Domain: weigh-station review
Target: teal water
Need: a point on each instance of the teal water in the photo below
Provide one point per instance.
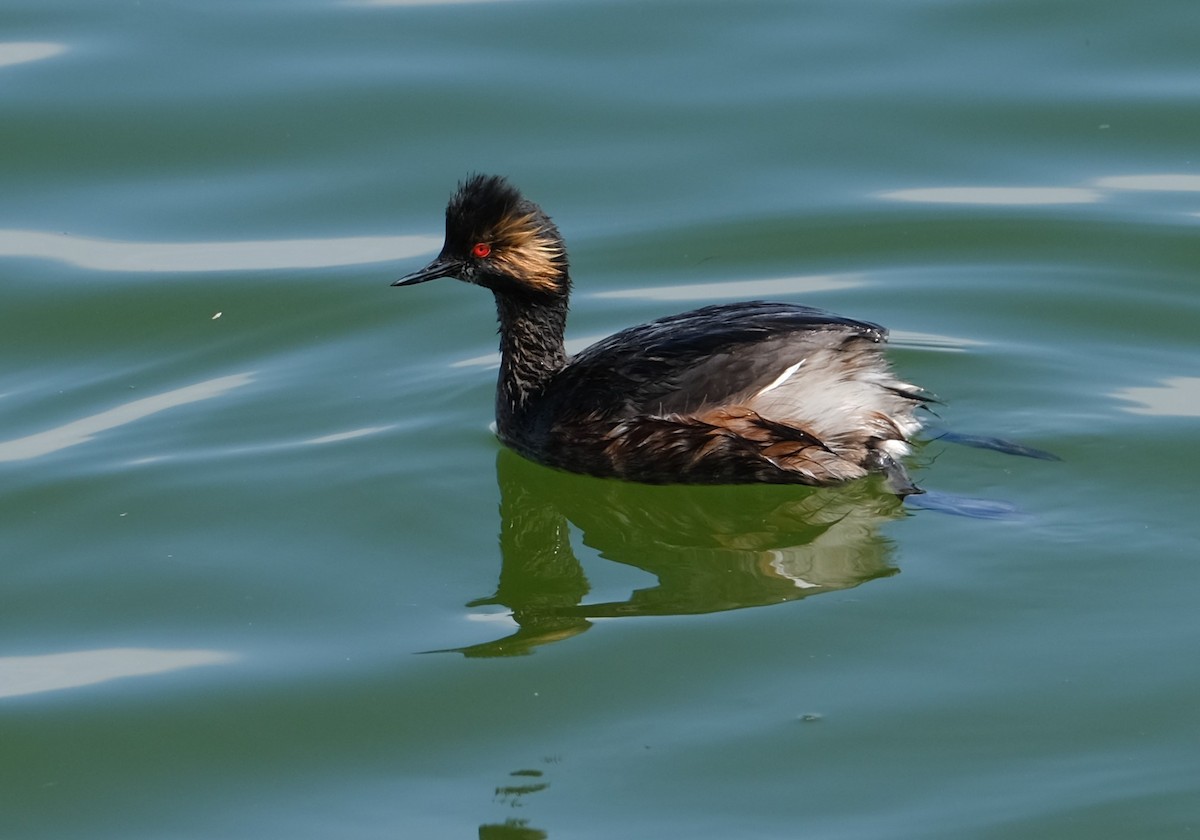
(266, 573)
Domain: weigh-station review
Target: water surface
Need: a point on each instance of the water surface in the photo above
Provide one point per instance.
(266, 572)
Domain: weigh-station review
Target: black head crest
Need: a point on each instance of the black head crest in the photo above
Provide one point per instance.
(513, 244)
(480, 203)
(497, 238)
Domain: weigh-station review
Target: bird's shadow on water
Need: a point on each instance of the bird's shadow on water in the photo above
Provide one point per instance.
(710, 548)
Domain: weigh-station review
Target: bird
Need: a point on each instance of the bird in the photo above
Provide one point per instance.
(733, 393)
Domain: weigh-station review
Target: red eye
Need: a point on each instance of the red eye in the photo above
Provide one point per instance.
(481, 249)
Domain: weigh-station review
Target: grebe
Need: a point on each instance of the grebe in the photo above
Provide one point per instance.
(727, 394)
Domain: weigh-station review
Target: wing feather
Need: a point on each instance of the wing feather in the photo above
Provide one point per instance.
(686, 362)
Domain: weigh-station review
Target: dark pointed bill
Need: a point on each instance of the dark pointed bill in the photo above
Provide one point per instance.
(438, 268)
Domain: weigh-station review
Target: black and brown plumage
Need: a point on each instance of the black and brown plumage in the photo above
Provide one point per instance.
(732, 393)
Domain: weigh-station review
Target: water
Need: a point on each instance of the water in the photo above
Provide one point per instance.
(267, 574)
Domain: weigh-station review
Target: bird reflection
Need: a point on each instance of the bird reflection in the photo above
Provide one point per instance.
(710, 548)
(511, 830)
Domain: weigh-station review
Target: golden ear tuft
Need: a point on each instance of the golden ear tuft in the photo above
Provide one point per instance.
(529, 252)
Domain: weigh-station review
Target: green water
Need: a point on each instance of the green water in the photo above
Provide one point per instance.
(265, 572)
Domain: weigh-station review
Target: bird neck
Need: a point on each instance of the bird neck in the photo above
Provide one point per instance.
(531, 351)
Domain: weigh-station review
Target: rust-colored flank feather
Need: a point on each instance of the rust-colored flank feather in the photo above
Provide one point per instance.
(732, 393)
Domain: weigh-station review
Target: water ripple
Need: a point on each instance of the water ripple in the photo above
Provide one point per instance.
(22, 52)
(22, 675)
(996, 196)
(740, 288)
(86, 428)
(113, 255)
(1178, 396)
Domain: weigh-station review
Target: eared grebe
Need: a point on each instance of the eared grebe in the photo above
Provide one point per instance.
(732, 393)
